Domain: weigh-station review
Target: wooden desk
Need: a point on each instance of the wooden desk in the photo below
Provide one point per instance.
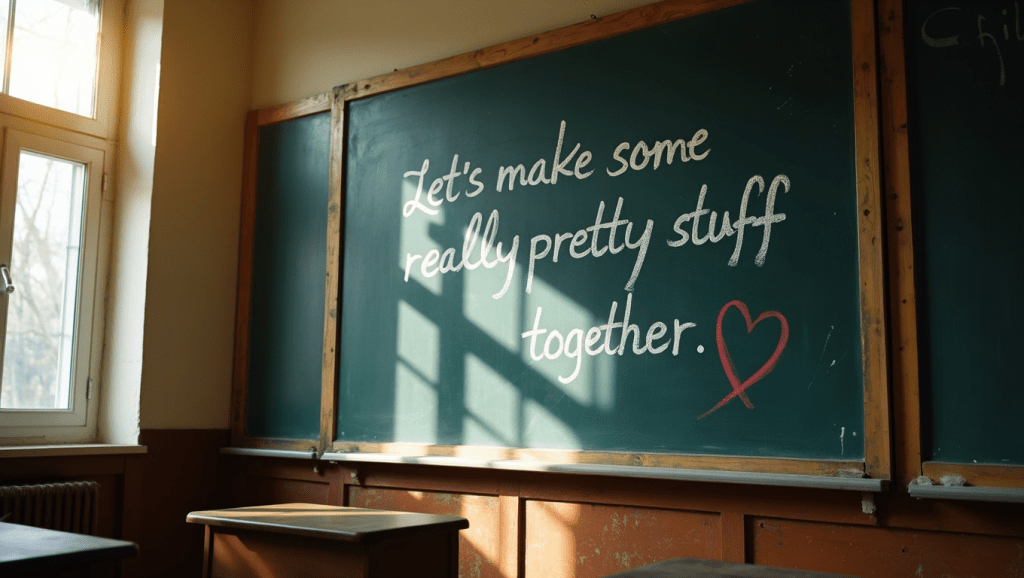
(313, 540)
(693, 568)
(30, 551)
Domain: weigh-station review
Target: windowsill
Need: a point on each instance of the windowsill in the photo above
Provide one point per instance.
(69, 450)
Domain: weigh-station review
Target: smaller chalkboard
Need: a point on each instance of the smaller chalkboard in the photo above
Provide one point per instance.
(286, 315)
(965, 62)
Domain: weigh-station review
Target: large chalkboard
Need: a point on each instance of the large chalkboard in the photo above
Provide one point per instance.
(502, 225)
(966, 103)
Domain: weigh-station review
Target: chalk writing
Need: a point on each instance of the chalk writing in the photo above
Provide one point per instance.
(541, 245)
(642, 154)
(937, 27)
(598, 339)
(607, 236)
(770, 217)
(537, 175)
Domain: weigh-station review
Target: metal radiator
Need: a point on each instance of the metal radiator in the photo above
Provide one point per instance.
(66, 506)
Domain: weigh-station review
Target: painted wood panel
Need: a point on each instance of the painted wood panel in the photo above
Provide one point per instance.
(881, 552)
(481, 546)
(583, 540)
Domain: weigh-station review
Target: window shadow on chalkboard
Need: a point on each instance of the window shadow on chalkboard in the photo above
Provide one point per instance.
(504, 401)
(465, 376)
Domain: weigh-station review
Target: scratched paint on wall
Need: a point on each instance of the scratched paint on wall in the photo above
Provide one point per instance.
(583, 540)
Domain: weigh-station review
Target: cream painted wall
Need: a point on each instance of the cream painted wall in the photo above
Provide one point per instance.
(306, 47)
(126, 286)
(190, 289)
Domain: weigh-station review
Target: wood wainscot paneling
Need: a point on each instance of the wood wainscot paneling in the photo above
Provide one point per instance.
(881, 552)
(274, 481)
(584, 540)
(178, 474)
(526, 524)
(491, 529)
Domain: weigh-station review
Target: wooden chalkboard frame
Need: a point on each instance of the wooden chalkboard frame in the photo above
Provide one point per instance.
(877, 460)
(247, 233)
(910, 462)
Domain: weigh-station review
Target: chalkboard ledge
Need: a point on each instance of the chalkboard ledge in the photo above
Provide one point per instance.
(687, 475)
(919, 489)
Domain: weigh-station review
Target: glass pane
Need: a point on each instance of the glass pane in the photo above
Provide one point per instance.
(5, 15)
(54, 54)
(44, 268)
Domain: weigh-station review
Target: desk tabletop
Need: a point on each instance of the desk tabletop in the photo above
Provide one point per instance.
(27, 547)
(328, 522)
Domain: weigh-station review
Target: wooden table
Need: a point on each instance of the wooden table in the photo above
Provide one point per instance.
(694, 568)
(314, 540)
(30, 551)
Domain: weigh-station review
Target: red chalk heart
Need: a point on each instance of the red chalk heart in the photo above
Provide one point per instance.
(738, 387)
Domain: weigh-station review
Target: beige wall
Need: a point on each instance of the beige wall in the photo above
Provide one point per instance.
(126, 286)
(193, 233)
(306, 47)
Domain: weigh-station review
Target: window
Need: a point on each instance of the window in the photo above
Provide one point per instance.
(49, 212)
(56, 138)
(52, 53)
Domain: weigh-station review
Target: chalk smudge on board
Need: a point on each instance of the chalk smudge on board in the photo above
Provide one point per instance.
(822, 356)
(835, 361)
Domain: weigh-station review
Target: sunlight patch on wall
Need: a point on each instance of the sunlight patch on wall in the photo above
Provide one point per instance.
(415, 407)
(602, 381)
(416, 376)
(501, 319)
(561, 352)
(418, 342)
(415, 239)
(493, 405)
(544, 429)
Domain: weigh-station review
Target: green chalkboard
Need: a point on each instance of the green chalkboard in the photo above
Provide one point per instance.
(289, 252)
(460, 326)
(966, 104)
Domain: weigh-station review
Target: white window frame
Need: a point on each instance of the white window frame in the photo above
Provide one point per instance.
(91, 141)
(103, 124)
(14, 144)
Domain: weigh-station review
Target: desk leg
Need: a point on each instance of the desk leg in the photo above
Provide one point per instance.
(207, 552)
(453, 554)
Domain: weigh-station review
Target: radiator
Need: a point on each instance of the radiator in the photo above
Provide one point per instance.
(66, 506)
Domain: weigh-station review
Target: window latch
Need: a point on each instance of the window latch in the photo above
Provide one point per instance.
(5, 277)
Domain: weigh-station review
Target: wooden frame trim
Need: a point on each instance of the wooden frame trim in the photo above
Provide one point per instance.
(243, 300)
(877, 445)
(992, 475)
(292, 110)
(877, 460)
(900, 241)
(335, 231)
(536, 45)
(246, 237)
(852, 469)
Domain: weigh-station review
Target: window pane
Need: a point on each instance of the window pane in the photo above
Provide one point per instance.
(44, 266)
(5, 14)
(54, 54)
